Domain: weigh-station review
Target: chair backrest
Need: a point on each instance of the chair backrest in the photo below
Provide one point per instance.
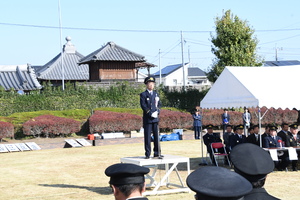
(217, 145)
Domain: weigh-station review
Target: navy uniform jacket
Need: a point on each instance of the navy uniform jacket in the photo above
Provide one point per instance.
(259, 194)
(147, 102)
(235, 140)
(269, 142)
(197, 120)
(252, 139)
(208, 139)
(292, 141)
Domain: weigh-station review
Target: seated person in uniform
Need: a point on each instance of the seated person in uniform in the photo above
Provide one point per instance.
(127, 181)
(210, 137)
(294, 141)
(274, 141)
(217, 183)
(226, 136)
(255, 137)
(239, 138)
(253, 163)
(284, 134)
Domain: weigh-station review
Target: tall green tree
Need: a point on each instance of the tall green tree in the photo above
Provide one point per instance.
(233, 45)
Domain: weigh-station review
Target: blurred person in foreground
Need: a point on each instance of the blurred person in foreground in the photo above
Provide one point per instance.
(214, 183)
(127, 181)
(253, 163)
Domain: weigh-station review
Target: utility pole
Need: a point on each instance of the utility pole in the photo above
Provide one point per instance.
(159, 66)
(62, 51)
(276, 52)
(184, 87)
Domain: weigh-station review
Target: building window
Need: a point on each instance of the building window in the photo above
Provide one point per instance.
(175, 81)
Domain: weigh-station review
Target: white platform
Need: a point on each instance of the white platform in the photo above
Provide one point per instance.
(165, 180)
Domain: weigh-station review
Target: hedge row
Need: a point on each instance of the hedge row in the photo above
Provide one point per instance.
(272, 116)
(6, 130)
(106, 121)
(49, 125)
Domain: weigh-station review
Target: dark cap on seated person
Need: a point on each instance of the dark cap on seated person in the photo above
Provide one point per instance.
(240, 126)
(294, 126)
(149, 79)
(251, 161)
(209, 126)
(273, 128)
(211, 183)
(126, 173)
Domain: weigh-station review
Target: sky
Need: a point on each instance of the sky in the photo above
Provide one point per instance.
(30, 30)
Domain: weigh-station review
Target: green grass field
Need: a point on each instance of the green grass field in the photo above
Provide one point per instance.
(78, 173)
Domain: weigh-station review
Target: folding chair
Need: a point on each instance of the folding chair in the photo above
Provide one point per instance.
(218, 150)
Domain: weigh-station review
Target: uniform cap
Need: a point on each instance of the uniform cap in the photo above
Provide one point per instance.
(126, 173)
(294, 126)
(209, 126)
(273, 128)
(149, 79)
(218, 183)
(251, 161)
(240, 126)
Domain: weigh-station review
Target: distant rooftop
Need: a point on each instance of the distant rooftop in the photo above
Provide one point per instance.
(112, 52)
(281, 63)
(18, 77)
(72, 71)
(192, 71)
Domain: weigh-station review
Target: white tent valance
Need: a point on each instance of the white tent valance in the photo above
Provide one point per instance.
(276, 87)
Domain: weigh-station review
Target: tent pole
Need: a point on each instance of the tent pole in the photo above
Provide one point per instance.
(259, 124)
(203, 161)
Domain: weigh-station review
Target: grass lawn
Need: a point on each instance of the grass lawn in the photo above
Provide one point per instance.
(78, 173)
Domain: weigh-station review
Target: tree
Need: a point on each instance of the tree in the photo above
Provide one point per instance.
(233, 45)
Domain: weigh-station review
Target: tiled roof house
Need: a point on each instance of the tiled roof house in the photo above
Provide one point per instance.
(71, 71)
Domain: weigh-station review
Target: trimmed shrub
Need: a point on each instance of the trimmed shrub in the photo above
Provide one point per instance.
(169, 120)
(50, 125)
(106, 121)
(6, 130)
(272, 116)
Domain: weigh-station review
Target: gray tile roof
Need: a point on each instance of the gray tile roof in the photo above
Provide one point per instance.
(168, 70)
(112, 52)
(281, 63)
(195, 71)
(72, 71)
(19, 77)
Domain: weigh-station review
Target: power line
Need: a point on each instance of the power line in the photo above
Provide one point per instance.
(130, 30)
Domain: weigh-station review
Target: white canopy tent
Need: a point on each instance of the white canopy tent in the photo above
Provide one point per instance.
(255, 87)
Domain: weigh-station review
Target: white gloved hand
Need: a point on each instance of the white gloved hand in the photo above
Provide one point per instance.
(155, 114)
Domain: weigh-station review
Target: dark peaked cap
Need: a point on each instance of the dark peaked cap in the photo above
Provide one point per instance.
(126, 173)
(211, 183)
(149, 79)
(251, 161)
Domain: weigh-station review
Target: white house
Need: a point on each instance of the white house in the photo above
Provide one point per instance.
(172, 75)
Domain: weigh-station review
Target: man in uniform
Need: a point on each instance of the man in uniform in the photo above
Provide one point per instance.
(217, 183)
(150, 104)
(197, 124)
(210, 137)
(284, 134)
(239, 138)
(294, 141)
(253, 163)
(226, 136)
(274, 141)
(127, 181)
(254, 138)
